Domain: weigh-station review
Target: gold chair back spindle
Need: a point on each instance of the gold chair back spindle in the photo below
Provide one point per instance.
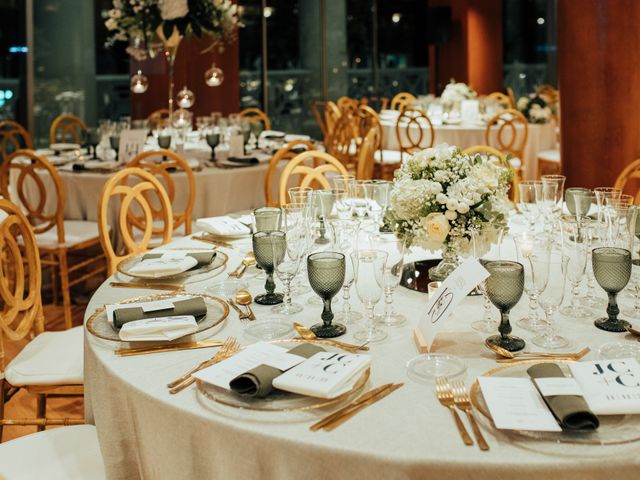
(67, 128)
(256, 115)
(341, 142)
(366, 156)
(411, 131)
(402, 100)
(511, 133)
(284, 154)
(13, 137)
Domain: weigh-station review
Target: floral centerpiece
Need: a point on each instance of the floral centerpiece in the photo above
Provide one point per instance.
(535, 108)
(443, 199)
(455, 92)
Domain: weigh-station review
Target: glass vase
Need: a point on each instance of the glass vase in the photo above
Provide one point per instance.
(448, 264)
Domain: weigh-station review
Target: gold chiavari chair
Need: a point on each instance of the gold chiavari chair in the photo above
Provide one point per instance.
(508, 132)
(365, 119)
(501, 159)
(171, 162)
(61, 242)
(502, 99)
(134, 188)
(67, 128)
(331, 115)
(51, 364)
(512, 95)
(13, 137)
(348, 104)
(366, 155)
(630, 177)
(284, 154)
(158, 118)
(256, 115)
(318, 109)
(380, 102)
(310, 176)
(402, 100)
(341, 141)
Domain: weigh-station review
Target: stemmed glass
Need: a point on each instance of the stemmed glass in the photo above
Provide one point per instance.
(341, 203)
(344, 234)
(578, 201)
(505, 285)
(487, 324)
(527, 200)
(323, 200)
(269, 249)
(602, 194)
(359, 199)
(266, 219)
(326, 276)
(551, 297)
(93, 139)
(536, 276)
(549, 199)
(369, 285)
(378, 192)
(114, 143)
(395, 250)
(612, 269)
(575, 246)
(164, 141)
(635, 269)
(213, 139)
(286, 267)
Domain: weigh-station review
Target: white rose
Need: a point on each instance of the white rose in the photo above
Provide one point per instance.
(172, 9)
(441, 198)
(451, 215)
(437, 227)
(463, 208)
(111, 24)
(452, 204)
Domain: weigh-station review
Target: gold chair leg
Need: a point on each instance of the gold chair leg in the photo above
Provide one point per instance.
(64, 285)
(2, 401)
(41, 409)
(54, 282)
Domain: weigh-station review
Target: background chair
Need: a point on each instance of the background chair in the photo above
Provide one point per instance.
(366, 155)
(310, 176)
(67, 128)
(171, 162)
(61, 242)
(13, 137)
(508, 132)
(135, 188)
(502, 99)
(256, 115)
(629, 180)
(341, 140)
(284, 154)
(402, 100)
(51, 364)
(158, 118)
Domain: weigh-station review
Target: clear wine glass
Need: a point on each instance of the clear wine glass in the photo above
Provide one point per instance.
(536, 276)
(634, 248)
(551, 298)
(370, 265)
(527, 200)
(286, 267)
(576, 247)
(344, 234)
(487, 324)
(578, 201)
(396, 251)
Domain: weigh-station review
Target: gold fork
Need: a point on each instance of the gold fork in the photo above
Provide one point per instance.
(463, 402)
(445, 397)
(222, 354)
(225, 346)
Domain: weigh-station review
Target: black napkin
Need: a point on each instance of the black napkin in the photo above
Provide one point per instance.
(258, 382)
(190, 306)
(571, 411)
(78, 167)
(203, 258)
(245, 160)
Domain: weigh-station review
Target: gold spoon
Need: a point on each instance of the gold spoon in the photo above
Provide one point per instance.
(248, 260)
(632, 331)
(307, 334)
(244, 298)
(507, 354)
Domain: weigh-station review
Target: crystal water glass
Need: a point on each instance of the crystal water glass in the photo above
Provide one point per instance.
(578, 201)
(620, 223)
(551, 298)
(612, 269)
(326, 277)
(487, 324)
(269, 249)
(634, 247)
(266, 219)
(602, 194)
(549, 199)
(505, 286)
(370, 265)
(536, 275)
(359, 199)
(299, 194)
(287, 266)
(527, 200)
(575, 245)
(396, 250)
(344, 234)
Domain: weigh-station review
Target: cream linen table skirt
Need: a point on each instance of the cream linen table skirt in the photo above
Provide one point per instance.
(540, 137)
(145, 432)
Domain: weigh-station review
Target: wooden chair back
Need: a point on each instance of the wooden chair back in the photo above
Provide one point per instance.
(132, 185)
(402, 100)
(331, 115)
(284, 154)
(377, 103)
(414, 131)
(366, 155)
(158, 118)
(256, 115)
(348, 104)
(512, 131)
(311, 176)
(630, 177)
(341, 141)
(502, 99)
(20, 278)
(512, 96)
(33, 169)
(171, 162)
(318, 109)
(501, 159)
(13, 137)
(67, 128)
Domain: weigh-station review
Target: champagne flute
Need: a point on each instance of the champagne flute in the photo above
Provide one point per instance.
(536, 275)
(370, 265)
(345, 232)
(527, 200)
(576, 248)
(286, 267)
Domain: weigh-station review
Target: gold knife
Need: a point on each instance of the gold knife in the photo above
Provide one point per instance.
(338, 413)
(339, 421)
(219, 243)
(125, 352)
(145, 285)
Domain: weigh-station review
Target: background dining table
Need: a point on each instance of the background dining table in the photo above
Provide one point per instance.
(145, 432)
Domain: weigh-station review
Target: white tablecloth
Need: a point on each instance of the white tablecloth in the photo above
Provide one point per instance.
(145, 432)
(541, 137)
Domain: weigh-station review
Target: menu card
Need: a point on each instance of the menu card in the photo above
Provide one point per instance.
(236, 145)
(610, 387)
(131, 143)
(451, 292)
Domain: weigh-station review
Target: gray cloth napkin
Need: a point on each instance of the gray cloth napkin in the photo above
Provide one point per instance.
(258, 382)
(203, 258)
(571, 411)
(190, 306)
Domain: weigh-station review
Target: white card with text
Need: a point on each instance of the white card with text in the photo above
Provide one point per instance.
(451, 292)
(131, 143)
(236, 145)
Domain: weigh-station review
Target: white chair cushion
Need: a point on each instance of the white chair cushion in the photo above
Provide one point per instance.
(388, 156)
(52, 358)
(66, 453)
(549, 155)
(75, 232)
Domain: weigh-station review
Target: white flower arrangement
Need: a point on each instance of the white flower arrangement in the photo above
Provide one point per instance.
(441, 196)
(535, 108)
(454, 93)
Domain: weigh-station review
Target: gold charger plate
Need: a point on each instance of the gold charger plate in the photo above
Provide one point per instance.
(613, 429)
(217, 311)
(280, 401)
(125, 266)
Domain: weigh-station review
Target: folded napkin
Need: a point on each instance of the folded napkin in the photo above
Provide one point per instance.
(244, 160)
(571, 411)
(271, 134)
(292, 137)
(158, 328)
(258, 382)
(203, 258)
(223, 226)
(164, 266)
(189, 306)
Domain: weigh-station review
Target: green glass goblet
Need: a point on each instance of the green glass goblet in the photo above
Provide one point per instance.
(326, 276)
(269, 249)
(612, 270)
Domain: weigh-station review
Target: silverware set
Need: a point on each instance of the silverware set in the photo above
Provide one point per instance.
(454, 395)
(127, 352)
(242, 315)
(248, 261)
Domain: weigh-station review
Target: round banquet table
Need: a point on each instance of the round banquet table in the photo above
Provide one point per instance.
(540, 137)
(145, 432)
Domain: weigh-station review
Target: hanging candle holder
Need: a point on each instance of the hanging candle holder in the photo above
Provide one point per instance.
(214, 76)
(185, 98)
(139, 83)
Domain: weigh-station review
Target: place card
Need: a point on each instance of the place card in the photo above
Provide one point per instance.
(131, 143)
(516, 404)
(451, 292)
(165, 265)
(236, 145)
(260, 353)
